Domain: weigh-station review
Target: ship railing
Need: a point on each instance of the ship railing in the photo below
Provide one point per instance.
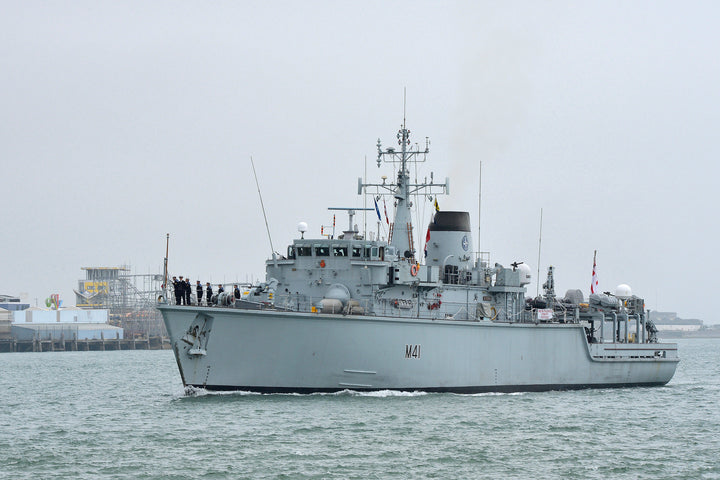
(409, 308)
(297, 302)
(396, 308)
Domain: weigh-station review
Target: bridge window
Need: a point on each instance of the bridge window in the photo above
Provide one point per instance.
(339, 251)
(304, 251)
(322, 251)
(356, 251)
(291, 252)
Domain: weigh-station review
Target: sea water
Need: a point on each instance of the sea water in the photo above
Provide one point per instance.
(125, 415)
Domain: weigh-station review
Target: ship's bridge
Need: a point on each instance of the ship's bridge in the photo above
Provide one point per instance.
(315, 268)
(339, 249)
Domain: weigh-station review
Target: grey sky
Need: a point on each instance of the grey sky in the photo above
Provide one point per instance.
(122, 121)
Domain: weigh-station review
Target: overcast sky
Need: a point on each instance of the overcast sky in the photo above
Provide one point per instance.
(123, 121)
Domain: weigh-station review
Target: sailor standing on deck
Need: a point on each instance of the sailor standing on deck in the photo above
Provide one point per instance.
(177, 289)
(181, 290)
(208, 293)
(220, 288)
(188, 291)
(237, 292)
(199, 291)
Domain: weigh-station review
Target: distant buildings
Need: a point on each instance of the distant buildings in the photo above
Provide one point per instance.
(8, 305)
(21, 322)
(8, 302)
(63, 324)
(669, 321)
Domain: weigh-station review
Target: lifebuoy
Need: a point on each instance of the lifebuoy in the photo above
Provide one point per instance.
(413, 270)
(322, 263)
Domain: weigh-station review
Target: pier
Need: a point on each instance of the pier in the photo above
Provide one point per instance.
(85, 345)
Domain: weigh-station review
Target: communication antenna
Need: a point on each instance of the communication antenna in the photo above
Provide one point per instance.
(537, 292)
(404, 104)
(365, 230)
(262, 206)
(479, 206)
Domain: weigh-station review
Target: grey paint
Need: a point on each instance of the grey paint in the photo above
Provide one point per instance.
(457, 326)
(276, 351)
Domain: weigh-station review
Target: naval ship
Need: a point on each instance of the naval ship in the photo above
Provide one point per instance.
(365, 312)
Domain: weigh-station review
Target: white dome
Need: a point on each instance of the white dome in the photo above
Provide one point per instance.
(302, 227)
(623, 291)
(525, 273)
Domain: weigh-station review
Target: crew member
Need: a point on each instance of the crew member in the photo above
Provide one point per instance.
(199, 291)
(181, 289)
(177, 289)
(208, 293)
(237, 292)
(220, 288)
(188, 290)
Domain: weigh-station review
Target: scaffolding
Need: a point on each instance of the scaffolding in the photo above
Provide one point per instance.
(128, 298)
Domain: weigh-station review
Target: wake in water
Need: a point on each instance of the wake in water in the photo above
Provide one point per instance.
(194, 392)
(201, 392)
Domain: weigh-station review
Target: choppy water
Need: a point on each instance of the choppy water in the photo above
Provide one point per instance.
(125, 415)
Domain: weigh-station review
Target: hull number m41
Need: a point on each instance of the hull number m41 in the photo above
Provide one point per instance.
(412, 351)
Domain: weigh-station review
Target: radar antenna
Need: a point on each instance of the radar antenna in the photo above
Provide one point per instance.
(402, 190)
(262, 205)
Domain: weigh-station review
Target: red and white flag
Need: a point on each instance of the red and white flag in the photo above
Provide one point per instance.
(594, 285)
(385, 208)
(427, 239)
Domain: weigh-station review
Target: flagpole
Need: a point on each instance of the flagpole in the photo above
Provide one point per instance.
(594, 274)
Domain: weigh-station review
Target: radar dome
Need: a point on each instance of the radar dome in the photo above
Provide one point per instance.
(525, 273)
(302, 227)
(623, 291)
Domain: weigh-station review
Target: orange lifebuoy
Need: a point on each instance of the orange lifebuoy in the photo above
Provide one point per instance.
(322, 263)
(413, 270)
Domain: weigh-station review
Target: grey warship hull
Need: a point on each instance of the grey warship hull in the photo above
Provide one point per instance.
(280, 352)
(368, 311)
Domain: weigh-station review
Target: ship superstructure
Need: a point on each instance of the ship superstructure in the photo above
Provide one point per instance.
(362, 313)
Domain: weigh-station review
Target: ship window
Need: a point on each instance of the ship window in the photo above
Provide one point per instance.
(340, 251)
(304, 251)
(356, 251)
(382, 253)
(374, 253)
(322, 251)
(291, 252)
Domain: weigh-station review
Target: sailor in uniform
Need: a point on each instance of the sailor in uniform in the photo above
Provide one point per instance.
(188, 291)
(177, 289)
(208, 293)
(181, 290)
(199, 290)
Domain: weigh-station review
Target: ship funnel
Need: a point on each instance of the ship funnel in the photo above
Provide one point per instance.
(450, 243)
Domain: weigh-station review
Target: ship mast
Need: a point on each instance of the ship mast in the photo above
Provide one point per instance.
(402, 234)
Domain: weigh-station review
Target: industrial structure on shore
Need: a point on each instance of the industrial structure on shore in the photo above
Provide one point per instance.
(114, 311)
(128, 298)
